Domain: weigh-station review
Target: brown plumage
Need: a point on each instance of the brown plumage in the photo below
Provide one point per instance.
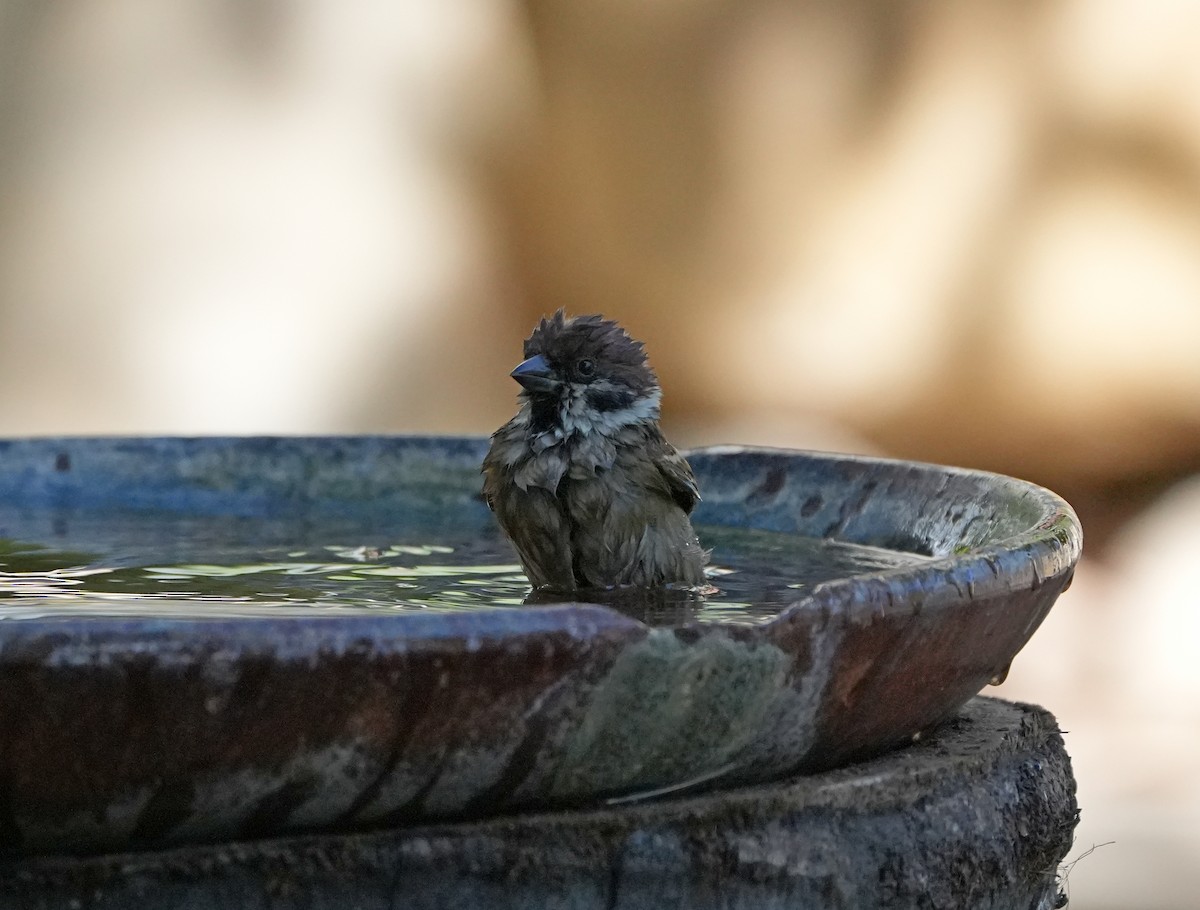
(581, 479)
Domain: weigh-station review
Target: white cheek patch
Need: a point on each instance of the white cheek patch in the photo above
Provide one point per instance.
(577, 416)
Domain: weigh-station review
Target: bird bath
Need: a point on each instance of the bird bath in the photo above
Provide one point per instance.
(152, 692)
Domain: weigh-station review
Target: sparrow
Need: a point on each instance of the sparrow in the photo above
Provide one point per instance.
(582, 480)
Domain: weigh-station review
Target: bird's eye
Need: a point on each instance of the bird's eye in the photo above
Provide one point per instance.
(585, 367)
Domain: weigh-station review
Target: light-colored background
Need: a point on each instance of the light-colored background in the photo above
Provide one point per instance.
(964, 232)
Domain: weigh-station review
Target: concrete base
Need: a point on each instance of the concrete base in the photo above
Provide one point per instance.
(977, 814)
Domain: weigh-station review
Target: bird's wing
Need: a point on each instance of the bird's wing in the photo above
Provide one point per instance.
(681, 482)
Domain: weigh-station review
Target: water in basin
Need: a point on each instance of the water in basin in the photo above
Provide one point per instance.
(162, 564)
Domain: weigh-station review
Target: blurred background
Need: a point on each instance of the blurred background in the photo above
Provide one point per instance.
(966, 233)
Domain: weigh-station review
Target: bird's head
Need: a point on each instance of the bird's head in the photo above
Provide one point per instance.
(584, 375)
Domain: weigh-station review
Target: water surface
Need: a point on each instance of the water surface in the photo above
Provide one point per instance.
(157, 564)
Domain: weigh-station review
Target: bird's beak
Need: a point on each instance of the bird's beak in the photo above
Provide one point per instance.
(536, 375)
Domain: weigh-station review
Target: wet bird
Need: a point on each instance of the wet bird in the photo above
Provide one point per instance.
(581, 479)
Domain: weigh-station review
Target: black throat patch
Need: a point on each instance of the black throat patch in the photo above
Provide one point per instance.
(543, 413)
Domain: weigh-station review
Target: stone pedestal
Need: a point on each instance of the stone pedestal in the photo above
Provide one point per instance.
(976, 815)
